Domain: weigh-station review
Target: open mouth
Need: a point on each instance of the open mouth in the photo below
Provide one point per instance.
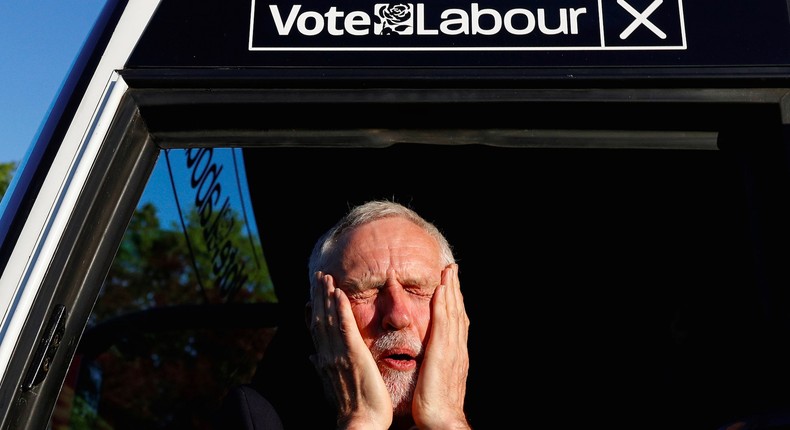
(400, 357)
(399, 360)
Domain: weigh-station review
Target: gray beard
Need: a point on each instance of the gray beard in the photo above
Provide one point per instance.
(401, 387)
(400, 384)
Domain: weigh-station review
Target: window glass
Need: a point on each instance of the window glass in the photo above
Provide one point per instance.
(187, 308)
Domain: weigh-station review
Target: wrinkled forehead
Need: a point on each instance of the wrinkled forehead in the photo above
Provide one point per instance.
(389, 239)
(392, 231)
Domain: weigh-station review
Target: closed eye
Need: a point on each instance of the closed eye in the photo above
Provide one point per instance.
(421, 291)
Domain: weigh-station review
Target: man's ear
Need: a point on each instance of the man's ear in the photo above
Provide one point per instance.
(308, 313)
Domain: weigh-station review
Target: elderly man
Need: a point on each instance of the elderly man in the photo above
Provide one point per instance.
(388, 322)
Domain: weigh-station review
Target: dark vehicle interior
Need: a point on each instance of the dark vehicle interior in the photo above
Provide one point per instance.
(601, 283)
(622, 262)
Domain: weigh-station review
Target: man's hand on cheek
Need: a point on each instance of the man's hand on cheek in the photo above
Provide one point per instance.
(441, 387)
(345, 363)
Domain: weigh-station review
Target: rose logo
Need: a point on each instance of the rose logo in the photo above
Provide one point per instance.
(394, 18)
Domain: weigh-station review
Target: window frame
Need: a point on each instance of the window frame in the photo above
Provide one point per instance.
(120, 165)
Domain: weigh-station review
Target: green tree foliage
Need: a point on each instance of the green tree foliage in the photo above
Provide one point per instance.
(157, 267)
(172, 376)
(7, 171)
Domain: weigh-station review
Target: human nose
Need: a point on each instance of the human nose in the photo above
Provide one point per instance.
(395, 306)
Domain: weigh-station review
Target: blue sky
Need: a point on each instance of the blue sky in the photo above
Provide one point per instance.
(38, 42)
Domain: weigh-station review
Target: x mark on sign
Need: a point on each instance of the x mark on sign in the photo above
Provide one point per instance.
(641, 19)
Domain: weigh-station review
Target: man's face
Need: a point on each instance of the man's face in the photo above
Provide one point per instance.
(389, 270)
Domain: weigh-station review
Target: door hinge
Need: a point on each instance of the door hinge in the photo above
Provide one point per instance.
(47, 346)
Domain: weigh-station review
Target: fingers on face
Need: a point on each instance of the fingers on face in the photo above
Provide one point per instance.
(455, 312)
(324, 312)
(345, 317)
(452, 292)
(319, 299)
(332, 318)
